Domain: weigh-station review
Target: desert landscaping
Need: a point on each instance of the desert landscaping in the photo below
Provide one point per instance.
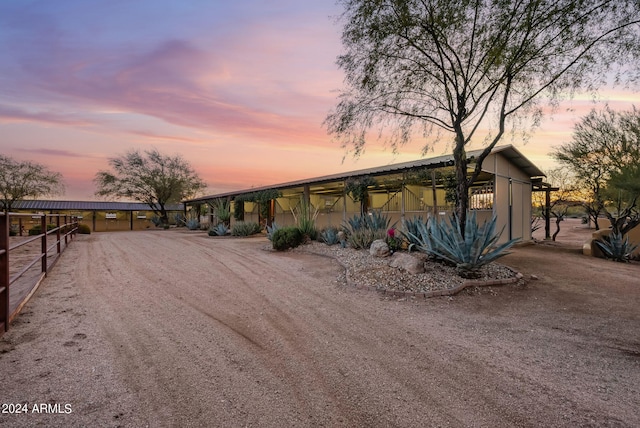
(176, 328)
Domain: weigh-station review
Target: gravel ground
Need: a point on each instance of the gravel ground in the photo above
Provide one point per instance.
(366, 270)
(170, 328)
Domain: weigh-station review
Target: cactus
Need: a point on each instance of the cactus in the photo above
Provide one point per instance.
(468, 253)
(616, 248)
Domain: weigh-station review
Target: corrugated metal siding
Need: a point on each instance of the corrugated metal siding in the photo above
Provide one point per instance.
(508, 151)
(41, 205)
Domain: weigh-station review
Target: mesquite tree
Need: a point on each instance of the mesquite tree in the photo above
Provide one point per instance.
(466, 66)
(20, 179)
(151, 178)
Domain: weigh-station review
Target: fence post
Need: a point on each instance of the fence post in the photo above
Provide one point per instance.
(43, 246)
(66, 228)
(4, 272)
(58, 233)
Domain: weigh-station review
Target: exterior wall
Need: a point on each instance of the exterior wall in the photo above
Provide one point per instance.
(508, 197)
(121, 222)
(591, 249)
(512, 193)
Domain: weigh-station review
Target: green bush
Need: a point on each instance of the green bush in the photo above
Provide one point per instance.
(37, 229)
(84, 229)
(286, 237)
(242, 228)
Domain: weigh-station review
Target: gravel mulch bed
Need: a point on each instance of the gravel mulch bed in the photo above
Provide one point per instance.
(367, 271)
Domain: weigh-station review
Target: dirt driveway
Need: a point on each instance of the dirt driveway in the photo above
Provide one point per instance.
(169, 328)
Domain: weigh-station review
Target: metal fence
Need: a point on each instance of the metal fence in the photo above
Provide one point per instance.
(54, 234)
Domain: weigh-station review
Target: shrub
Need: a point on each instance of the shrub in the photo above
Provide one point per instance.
(220, 230)
(84, 229)
(468, 253)
(616, 248)
(287, 237)
(242, 228)
(37, 229)
(306, 220)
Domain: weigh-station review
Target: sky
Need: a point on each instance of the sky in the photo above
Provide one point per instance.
(239, 89)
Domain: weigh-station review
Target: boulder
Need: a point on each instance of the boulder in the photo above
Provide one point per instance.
(379, 248)
(411, 264)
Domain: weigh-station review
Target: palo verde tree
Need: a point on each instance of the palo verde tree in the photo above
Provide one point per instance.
(604, 154)
(442, 67)
(19, 180)
(151, 178)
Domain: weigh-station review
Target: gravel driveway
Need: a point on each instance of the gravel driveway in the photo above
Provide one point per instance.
(171, 328)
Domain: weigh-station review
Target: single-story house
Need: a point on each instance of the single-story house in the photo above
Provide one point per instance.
(402, 191)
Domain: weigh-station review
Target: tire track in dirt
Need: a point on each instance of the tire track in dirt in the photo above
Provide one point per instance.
(215, 332)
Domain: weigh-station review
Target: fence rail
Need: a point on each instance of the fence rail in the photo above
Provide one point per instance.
(17, 288)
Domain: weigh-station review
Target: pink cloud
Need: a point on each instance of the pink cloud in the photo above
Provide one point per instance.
(53, 152)
(12, 115)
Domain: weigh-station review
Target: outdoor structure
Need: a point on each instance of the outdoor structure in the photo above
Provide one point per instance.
(402, 191)
(100, 216)
(589, 248)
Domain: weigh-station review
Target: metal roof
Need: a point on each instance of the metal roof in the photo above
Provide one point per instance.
(507, 151)
(43, 205)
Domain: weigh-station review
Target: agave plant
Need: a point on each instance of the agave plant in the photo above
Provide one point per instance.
(363, 229)
(305, 219)
(469, 253)
(242, 228)
(616, 248)
(411, 229)
(329, 236)
(378, 221)
(221, 209)
(220, 230)
(192, 224)
(271, 230)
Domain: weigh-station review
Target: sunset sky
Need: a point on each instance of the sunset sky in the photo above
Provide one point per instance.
(239, 89)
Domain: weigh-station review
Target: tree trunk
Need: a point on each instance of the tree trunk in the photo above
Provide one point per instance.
(164, 218)
(462, 186)
(558, 220)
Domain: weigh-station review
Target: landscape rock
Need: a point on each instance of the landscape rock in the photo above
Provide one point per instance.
(379, 248)
(407, 262)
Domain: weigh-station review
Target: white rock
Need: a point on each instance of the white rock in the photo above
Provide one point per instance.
(379, 248)
(407, 262)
